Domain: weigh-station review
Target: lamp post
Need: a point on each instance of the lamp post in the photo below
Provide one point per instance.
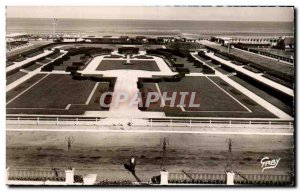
(54, 23)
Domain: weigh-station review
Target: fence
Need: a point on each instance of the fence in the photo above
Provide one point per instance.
(68, 176)
(52, 121)
(37, 174)
(152, 122)
(263, 178)
(209, 177)
(221, 178)
(220, 123)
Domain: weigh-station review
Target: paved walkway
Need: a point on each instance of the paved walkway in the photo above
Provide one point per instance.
(279, 113)
(126, 83)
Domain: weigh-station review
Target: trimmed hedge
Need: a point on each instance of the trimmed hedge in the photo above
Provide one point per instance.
(72, 68)
(208, 70)
(88, 51)
(183, 70)
(203, 55)
(198, 64)
(47, 68)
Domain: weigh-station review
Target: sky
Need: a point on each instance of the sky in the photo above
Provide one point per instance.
(155, 13)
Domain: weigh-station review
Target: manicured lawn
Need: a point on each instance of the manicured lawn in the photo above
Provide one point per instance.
(44, 61)
(51, 94)
(14, 77)
(216, 98)
(56, 55)
(32, 67)
(23, 86)
(265, 95)
(147, 65)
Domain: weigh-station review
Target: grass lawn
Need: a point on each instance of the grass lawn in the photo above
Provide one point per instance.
(94, 103)
(45, 61)
(216, 98)
(14, 77)
(33, 67)
(54, 92)
(23, 86)
(147, 65)
(265, 95)
(187, 64)
(56, 55)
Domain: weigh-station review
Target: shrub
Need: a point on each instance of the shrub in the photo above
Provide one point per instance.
(77, 64)
(72, 68)
(198, 64)
(183, 70)
(78, 178)
(207, 70)
(47, 68)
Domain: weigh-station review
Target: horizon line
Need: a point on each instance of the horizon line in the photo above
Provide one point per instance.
(147, 19)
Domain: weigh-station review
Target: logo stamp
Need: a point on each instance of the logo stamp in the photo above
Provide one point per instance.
(267, 163)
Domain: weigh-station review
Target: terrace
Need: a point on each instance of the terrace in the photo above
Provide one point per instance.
(266, 63)
(258, 76)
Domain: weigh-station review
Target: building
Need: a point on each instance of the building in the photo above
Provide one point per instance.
(141, 39)
(15, 40)
(128, 50)
(188, 39)
(107, 39)
(168, 38)
(257, 40)
(286, 43)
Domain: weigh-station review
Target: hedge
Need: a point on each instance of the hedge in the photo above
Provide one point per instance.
(207, 70)
(183, 70)
(198, 64)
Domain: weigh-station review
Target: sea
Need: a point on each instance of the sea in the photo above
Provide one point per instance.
(183, 28)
